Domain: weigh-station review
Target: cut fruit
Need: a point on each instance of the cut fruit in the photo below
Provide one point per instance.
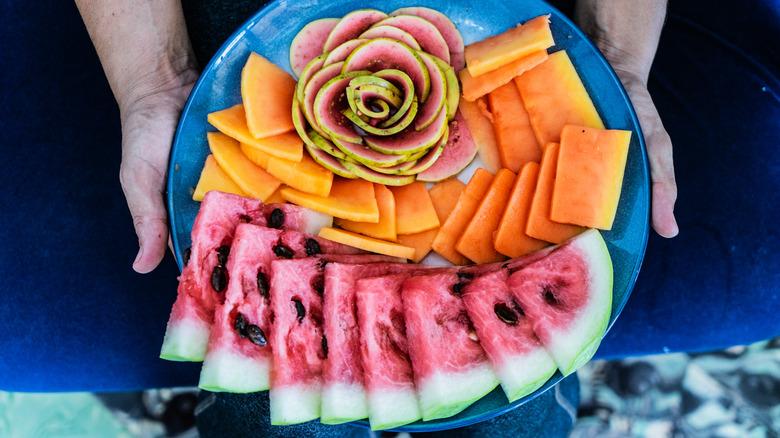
(212, 177)
(422, 243)
(458, 153)
(476, 241)
(252, 179)
(445, 26)
(591, 163)
(297, 339)
(515, 136)
(481, 128)
(468, 201)
(366, 173)
(506, 333)
(306, 175)
(539, 225)
(568, 298)
(351, 199)
(385, 229)
(414, 209)
(384, 351)
(451, 370)
(510, 238)
(475, 87)
(351, 26)
(267, 92)
(444, 196)
(366, 243)
(390, 32)
(232, 122)
(256, 155)
(554, 96)
(498, 50)
(423, 31)
(308, 43)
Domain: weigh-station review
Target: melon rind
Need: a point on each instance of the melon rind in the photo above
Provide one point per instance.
(293, 404)
(393, 407)
(519, 381)
(343, 402)
(224, 370)
(443, 395)
(185, 339)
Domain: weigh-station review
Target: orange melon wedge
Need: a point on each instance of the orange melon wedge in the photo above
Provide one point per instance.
(515, 136)
(475, 87)
(306, 175)
(481, 128)
(252, 179)
(510, 238)
(267, 92)
(366, 243)
(498, 50)
(385, 229)
(232, 122)
(351, 199)
(413, 208)
(212, 177)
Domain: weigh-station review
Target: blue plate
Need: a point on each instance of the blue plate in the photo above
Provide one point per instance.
(270, 31)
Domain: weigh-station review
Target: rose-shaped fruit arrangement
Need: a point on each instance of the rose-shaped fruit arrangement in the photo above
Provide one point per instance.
(377, 94)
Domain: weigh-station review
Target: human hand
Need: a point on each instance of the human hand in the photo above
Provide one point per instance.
(627, 33)
(148, 126)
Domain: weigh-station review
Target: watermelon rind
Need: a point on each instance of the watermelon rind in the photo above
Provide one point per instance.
(227, 371)
(443, 395)
(343, 402)
(393, 408)
(517, 382)
(185, 340)
(293, 404)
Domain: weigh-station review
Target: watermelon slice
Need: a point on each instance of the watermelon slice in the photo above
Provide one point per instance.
(204, 276)
(187, 333)
(518, 357)
(299, 346)
(568, 297)
(451, 370)
(343, 395)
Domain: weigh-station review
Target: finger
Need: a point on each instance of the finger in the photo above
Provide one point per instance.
(142, 186)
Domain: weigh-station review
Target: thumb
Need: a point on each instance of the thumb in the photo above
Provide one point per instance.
(150, 218)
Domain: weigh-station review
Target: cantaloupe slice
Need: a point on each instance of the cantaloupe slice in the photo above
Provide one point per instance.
(476, 242)
(591, 164)
(497, 50)
(212, 177)
(252, 179)
(510, 238)
(468, 201)
(421, 242)
(305, 175)
(267, 92)
(413, 209)
(554, 96)
(476, 87)
(351, 199)
(385, 229)
(481, 128)
(366, 243)
(539, 225)
(276, 197)
(444, 196)
(232, 122)
(516, 140)
(256, 155)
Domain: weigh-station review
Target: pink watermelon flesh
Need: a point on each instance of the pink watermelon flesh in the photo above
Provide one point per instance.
(384, 349)
(451, 370)
(344, 396)
(459, 151)
(521, 362)
(446, 27)
(351, 26)
(308, 43)
(187, 333)
(568, 297)
(423, 31)
(297, 339)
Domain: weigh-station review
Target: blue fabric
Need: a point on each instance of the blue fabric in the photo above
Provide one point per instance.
(74, 316)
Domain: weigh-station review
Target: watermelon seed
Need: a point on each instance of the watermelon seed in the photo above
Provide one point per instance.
(468, 276)
(299, 309)
(239, 325)
(283, 252)
(186, 256)
(262, 283)
(255, 335)
(549, 296)
(325, 346)
(457, 288)
(245, 218)
(312, 247)
(276, 220)
(219, 278)
(318, 284)
(505, 314)
(222, 254)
